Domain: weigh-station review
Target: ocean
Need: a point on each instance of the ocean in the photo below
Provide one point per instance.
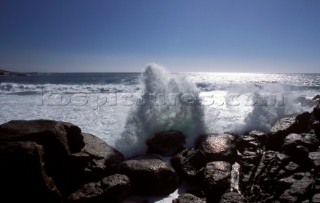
(125, 109)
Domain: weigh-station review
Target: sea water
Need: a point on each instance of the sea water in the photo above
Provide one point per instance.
(126, 109)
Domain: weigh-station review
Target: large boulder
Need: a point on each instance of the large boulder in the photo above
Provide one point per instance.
(217, 176)
(58, 138)
(95, 161)
(284, 127)
(275, 174)
(252, 141)
(308, 140)
(23, 177)
(250, 148)
(189, 164)
(218, 147)
(232, 197)
(188, 198)
(166, 143)
(298, 147)
(149, 175)
(299, 190)
(111, 189)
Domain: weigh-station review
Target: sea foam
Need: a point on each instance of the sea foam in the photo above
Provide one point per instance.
(168, 103)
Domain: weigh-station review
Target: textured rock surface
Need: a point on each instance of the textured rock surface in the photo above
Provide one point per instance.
(217, 176)
(23, 175)
(166, 143)
(218, 147)
(188, 198)
(189, 164)
(149, 175)
(113, 188)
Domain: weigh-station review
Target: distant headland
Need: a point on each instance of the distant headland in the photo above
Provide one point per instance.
(12, 73)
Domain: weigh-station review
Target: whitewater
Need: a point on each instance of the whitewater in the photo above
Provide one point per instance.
(126, 109)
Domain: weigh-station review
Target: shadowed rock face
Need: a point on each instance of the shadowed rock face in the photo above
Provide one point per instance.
(217, 176)
(218, 147)
(95, 161)
(189, 164)
(23, 175)
(149, 175)
(188, 198)
(110, 189)
(166, 143)
(58, 139)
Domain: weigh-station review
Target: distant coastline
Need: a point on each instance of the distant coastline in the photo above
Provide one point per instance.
(12, 73)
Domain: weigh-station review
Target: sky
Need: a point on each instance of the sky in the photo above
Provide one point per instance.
(182, 35)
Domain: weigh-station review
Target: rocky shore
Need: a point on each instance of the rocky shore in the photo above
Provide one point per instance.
(52, 161)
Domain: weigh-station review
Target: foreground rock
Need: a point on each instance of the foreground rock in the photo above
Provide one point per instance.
(95, 161)
(217, 177)
(23, 177)
(149, 175)
(189, 164)
(70, 157)
(110, 189)
(232, 197)
(188, 198)
(59, 140)
(166, 143)
(218, 147)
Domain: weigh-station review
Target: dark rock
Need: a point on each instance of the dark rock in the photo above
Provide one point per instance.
(299, 190)
(58, 138)
(217, 176)
(298, 147)
(96, 160)
(254, 140)
(166, 143)
(315, 158)
(272, 177)
(316, 198)
(310, 141)
(218, 147)
(113, 188)
(149, 175)
(284, 127)
(249, 154)
(23, 175)
(188, 198)
(232, 197)
(189, 164)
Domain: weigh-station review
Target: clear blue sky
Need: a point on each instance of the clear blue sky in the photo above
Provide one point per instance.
(183, 35)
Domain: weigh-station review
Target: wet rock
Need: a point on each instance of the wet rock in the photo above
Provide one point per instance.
(315, 158)
(272, 177)
(23, 175)
(188, 198)
(316, 198)
(254, 140)
(189, 164)
(58, 138)
(218, 147)
(95, 161)
(232, 197)
(310, 141)
(249, 154)
(217, 176)
(299, 190)
(149, 175)
(298, 147)
(166, 143)
(113, 188)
